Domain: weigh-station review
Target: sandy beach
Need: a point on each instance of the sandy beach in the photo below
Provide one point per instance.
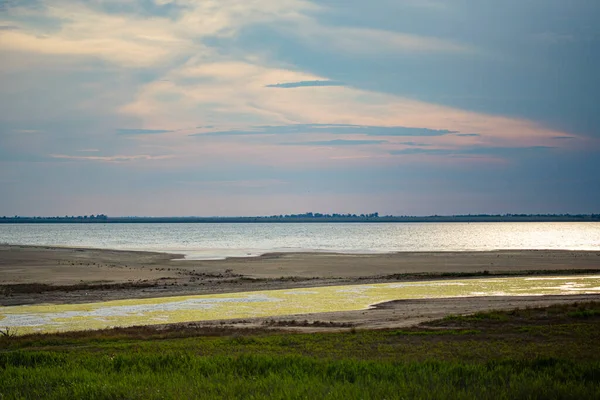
(36, 274)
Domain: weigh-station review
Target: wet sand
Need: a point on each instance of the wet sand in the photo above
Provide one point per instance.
(37, 274)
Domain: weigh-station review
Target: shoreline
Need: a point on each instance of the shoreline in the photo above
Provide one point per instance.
(182, 255)
(32, 275)
(308, 218)
(49, 274)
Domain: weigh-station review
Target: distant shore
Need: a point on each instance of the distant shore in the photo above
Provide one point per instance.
(306, 218)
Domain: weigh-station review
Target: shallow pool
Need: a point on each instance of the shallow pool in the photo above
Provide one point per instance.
(72, 317)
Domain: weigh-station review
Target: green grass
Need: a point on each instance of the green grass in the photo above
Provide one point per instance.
(436, 332)
(550, 353)
(584, 313)
(181, 375)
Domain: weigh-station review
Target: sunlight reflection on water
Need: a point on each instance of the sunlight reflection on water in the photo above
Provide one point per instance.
(215, 241)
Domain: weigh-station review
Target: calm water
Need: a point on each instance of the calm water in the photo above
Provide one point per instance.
(208, 241)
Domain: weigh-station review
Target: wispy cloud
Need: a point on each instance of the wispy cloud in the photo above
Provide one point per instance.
(564, 137)
(415, 144)
(141, 39)
(476, 150)
(142, 131)
(416, 151)
(251, 183)
(338, 142)
(332, 129)
(364, 41)
(234, 94)
(290, 85)
(112, 159)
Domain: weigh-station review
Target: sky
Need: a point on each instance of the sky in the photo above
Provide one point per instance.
(262, 107)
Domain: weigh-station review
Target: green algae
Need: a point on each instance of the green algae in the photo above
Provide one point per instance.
(73, 317)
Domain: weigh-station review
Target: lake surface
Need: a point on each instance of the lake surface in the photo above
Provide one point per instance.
(73, 317)
(213, 241)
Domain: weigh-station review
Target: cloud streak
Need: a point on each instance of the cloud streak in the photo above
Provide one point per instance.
(250, 183)
(338, 142)
(479, 150)
(290, 85)
(332, 129)
(112, 159)
(233, 95)
(142, 131)
(370, 41)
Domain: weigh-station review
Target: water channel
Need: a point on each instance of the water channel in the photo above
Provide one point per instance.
(74, 317)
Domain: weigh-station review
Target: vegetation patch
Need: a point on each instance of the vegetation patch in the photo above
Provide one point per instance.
(435, 332)
(529, 353)
(307, 323)
(484, 273)
(491, 315)
(29, 288)
(584, 314)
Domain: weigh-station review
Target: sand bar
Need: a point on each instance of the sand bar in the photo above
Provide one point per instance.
(35, 274)
(32, 275)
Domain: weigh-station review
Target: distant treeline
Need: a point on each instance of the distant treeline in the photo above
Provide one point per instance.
(309, 217)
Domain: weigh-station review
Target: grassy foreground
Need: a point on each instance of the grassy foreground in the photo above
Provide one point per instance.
(551, 353)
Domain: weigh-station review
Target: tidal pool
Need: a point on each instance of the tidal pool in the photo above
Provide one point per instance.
(74, 317)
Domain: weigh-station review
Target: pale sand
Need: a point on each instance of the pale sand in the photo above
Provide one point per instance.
(77, 274)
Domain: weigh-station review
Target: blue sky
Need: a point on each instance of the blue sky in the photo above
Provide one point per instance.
(254, 107)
